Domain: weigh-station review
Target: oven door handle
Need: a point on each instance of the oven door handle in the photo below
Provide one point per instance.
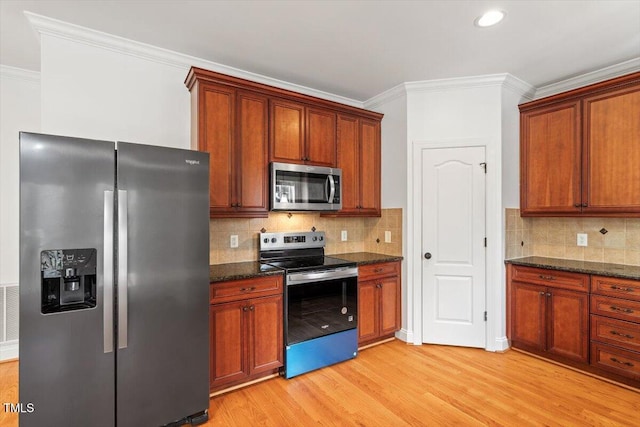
(319, 276)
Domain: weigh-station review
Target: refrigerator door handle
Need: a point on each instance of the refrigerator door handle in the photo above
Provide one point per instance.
(107, 317)
(122, 269)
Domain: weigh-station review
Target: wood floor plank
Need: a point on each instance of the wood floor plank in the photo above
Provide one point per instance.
(395, 384)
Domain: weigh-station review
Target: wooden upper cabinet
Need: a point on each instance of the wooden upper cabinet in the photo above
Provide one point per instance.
(302, 134)
(612, 151)
(370, 166)
(321, 137)
(359, 158)
(580, 151)
(232, 127)
(287, 132)
(252, 190)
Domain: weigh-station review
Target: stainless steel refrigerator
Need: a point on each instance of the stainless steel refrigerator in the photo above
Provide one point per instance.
(114, 272)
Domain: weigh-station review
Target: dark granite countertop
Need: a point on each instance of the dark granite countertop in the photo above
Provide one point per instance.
(363, 258)
(240, 270)
(599, 268)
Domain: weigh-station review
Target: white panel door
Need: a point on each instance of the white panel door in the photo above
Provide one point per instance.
(453, 246)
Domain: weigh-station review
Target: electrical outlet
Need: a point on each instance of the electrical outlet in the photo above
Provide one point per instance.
(343, 235)
(233, 241)
(582, 239)
(387, 237)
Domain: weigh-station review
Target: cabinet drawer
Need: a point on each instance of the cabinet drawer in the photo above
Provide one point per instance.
(616, 307)
(615, 360)
(553, 278)
(247, 288)
(369, 271)
(612, 286)
(616, 332)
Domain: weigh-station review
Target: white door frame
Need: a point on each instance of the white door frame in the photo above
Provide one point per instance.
(495, 292)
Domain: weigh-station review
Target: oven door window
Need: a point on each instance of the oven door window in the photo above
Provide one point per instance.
(321, 308)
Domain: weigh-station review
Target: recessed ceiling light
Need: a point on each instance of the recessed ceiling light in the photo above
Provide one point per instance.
(490, 18)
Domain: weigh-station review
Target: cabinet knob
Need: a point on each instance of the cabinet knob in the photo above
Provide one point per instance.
(245, 308)
(379, 285)
(541, 292)
(577, 205)
(252, 307)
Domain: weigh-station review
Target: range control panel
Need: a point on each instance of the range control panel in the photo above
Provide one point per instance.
(292, 240)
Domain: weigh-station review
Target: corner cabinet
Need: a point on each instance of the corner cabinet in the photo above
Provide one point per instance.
(246, 330)
(580, 151)
(379, 306)
(244, 125)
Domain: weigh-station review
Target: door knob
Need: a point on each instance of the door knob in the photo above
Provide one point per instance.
(427, 255)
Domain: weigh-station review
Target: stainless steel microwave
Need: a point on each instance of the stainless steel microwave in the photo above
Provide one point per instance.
(305, 188)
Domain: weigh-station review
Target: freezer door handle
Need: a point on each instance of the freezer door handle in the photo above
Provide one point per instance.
(122, 269)
(107, 306)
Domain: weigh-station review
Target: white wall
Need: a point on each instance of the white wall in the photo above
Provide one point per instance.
(19, 111)
(92, 92)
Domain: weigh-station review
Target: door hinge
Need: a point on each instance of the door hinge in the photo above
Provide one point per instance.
(485, 316)
(485, 242)
(484, 166)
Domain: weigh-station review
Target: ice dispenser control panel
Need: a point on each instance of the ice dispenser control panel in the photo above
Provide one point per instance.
(68, 279)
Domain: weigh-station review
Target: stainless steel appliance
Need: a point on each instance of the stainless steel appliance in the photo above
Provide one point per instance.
(114, 255)
(320, 301)
(305, 188)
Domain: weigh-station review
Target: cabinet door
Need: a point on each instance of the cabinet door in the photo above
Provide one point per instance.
(349, 162)
(370, 167)
(287, 132)
(389, 293)
(321, 137)
(252, 150)
(367, 311)
(528, 316)
(216, 136)
(265, 334)
(228, 343)
(568, 324)
(612, 152)
(550, 168)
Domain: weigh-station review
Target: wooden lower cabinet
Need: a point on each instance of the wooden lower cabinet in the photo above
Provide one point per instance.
(379, 308)
(549, 320)
(246, 339)
(590, 322)
(615, 326)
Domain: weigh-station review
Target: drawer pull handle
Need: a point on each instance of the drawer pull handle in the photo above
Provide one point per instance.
(546, 277)
(620, 362)
(378, 270)
(253, 288)
(622, 335)
(620, 288)
(620, 309)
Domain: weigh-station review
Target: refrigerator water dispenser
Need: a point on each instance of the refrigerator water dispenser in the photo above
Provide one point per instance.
(68, 279)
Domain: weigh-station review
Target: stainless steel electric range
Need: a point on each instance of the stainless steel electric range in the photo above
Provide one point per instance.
(320, 300)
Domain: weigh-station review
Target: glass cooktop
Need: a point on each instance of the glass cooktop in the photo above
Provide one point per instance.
(309, 263)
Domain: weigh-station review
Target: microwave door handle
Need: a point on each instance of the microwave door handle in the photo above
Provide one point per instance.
(332, 186)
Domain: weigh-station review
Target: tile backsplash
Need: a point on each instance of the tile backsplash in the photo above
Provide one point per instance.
(557, 238)
(362, 234)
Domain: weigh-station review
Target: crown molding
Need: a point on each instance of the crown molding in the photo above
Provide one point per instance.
(519, 87)
(440, 85)
(19, 74)
(616, 70)
(64, 30)
(386, 96)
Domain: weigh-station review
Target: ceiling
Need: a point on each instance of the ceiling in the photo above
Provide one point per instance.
(356, 49)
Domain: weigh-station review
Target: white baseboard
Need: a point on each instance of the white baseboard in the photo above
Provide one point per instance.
(8, 350)
(500, 344)
(405, 335)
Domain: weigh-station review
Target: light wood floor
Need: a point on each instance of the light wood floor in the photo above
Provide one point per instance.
(396, 384)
